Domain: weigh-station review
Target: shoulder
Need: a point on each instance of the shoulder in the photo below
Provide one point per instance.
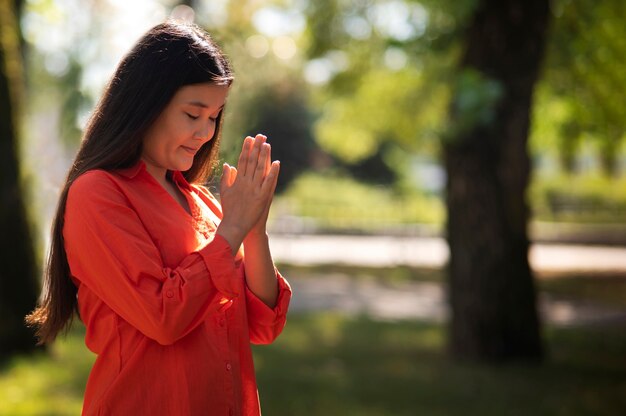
(95, 177)
(96, 184)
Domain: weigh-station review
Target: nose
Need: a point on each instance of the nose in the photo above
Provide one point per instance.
(206, 132)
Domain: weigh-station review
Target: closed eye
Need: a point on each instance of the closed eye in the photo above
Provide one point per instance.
(191, 116)
(214, 119)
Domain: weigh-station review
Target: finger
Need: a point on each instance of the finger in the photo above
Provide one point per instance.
(268, 160)
(233, 175)
(269, 184)
(261, 137)
(245, 153)
(273, 186)
(275, 178)
(259, 173)
(225, 181)
(253, 158)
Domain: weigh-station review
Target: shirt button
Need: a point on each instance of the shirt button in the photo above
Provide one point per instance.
(229, 367)
(222, 322)
(169, 294)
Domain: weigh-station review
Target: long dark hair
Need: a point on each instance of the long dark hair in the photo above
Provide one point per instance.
(167, 57)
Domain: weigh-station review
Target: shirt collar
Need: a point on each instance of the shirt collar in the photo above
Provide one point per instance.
(179, 178)
(132, 171)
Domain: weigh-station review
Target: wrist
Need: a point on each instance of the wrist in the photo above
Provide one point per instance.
(254, 235)
(231, 233)
(255, 238)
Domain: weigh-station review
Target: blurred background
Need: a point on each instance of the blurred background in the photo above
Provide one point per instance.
(452, 202)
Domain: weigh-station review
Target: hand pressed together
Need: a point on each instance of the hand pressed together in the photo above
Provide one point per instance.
(247, 191)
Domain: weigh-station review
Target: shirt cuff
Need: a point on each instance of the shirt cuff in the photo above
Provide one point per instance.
(263, 314)
(220, 263)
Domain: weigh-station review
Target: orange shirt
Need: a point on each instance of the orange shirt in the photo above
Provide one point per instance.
(164, 301)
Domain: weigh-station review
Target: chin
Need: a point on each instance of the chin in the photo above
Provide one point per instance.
(184, 165)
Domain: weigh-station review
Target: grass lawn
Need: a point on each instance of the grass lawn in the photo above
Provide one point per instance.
(329, 364)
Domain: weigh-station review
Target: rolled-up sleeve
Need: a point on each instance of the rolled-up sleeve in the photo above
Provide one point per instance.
(110, 251)
(265, 323)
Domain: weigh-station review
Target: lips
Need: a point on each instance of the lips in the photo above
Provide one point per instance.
(190, 150)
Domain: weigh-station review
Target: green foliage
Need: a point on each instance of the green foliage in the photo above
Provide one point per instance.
(588, 198)
(322, 19)
(336, 202)
(390, 89)
(278, 109)
(386, 106)
(549, 113)
(586, 71)
(47, 384)
(578, 99)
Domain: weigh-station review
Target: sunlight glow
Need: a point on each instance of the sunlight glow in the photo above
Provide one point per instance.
(257, 46)
(284, 47)
(274, 22)
(399, 20)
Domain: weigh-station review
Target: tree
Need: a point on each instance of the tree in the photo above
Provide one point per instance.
(482, 58)
(585, 69)
(18, 265)
(286, 122)
(492, 296)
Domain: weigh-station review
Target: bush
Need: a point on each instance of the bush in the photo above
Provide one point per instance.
(588, 198)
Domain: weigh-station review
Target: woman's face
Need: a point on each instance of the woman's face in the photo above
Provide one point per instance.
(187, 122)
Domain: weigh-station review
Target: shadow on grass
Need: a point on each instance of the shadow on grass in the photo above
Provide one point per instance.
(332, 365)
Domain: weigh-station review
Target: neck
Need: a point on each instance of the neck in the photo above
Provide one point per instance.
(159, 173)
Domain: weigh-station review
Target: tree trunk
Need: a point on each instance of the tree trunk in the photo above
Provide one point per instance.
(569, 145)
(609, 154)
(18, 266)
(491, 289)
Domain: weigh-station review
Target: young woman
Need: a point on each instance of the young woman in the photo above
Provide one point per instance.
(145, 254)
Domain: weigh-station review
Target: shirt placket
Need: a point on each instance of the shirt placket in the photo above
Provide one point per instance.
(228, 365)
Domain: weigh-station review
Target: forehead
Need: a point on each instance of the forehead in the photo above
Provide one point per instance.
(205, 95)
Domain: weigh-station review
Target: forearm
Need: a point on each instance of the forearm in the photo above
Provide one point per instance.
(259, 268)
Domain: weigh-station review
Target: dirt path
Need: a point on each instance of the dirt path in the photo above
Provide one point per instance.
(433, 252)
(426, 300)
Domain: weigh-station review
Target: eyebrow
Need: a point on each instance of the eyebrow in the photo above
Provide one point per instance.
(203, 105)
